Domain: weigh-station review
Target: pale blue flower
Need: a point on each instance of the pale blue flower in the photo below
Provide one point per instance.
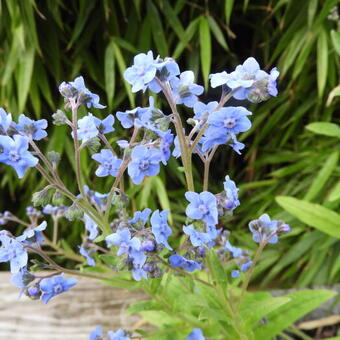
(14, 152)
(144, 162)
(245, 266)
(202, 206)
(231, 191)
(160, 227)
(127, 118)
(264, 229)
(122, 238)
(91, 227)
(196, 334)
(96, 334)
(197, 238)
(137, 259)
(90, 260)
(185, 91)
(109, 163)
(106, 125)
(202, 111)
(179, 261)
(34, 129)
(55, 285)
(142, 72)
(166, 142)
(118, 335)
(140, 218)
(31, 236)
(14, 252)
(236, 252)
(5, 121)
(87, 128)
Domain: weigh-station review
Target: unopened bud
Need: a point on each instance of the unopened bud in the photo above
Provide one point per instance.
(93, 144)
(73, 212)
(53, 157)
(59, 118)
(41, 198)
(57, 198)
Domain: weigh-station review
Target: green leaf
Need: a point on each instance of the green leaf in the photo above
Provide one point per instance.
(228, 10)
(205, 44)
(143, 306)
(157, 30)
(173, 20)
(257, 305)
(322, 61)
(324, 128)
(109, 71)
(217, 32)
(162, 194)
(300, 304)
(316, 215)
(312, 7)
(122, 67)
(216, 269)
(335, 37)
(334, 93)
(323, 176)
(188, 35)
(24, 77)
(335, 193)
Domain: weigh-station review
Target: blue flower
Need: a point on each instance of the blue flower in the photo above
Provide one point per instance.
(31, 236)
(231, 191)
(142, 72)
(13, 251)
(55, 285)
(22, 279)
(90, 261)
(202, 111)
(91, 227)
(179, 261)
(160, 227)
(91, 99)
(117, 335)
(202, 206)
(229, 120)
(166, 70)
(264, 229)
(34, 129)
(87, 128)
(144, 162)
(245, 266)
(235, 144)
(128, 117)
(176, 152)
(236, 252)
(198, 239)
(248, 81)
(96, 334)
(106, 125)
(122, 238)
(196, 334)
(140, 218)
(109, 163)
(137, 259)
(5, 121)
(235, 273)
(14, 152)
(184, 90)
(166, 142)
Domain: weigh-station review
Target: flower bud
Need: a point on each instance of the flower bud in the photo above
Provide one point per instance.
(148, 245)
(93, 144)
(53, 157)
(57, 198)
(41, 198)
(73, 212)
(33, 292)
(59, 118)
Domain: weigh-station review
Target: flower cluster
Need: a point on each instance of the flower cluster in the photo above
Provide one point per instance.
(141, 242)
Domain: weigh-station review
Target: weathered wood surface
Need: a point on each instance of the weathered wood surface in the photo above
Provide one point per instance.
(69, 316)
(74, 314)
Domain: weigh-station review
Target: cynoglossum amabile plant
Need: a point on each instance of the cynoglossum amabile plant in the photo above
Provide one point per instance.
(117, 240)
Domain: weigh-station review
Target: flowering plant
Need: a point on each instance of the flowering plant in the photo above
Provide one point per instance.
(197, 281)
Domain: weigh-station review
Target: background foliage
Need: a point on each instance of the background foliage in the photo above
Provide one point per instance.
(45, 42)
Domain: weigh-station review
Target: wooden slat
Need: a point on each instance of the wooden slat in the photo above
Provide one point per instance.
(69, 316)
